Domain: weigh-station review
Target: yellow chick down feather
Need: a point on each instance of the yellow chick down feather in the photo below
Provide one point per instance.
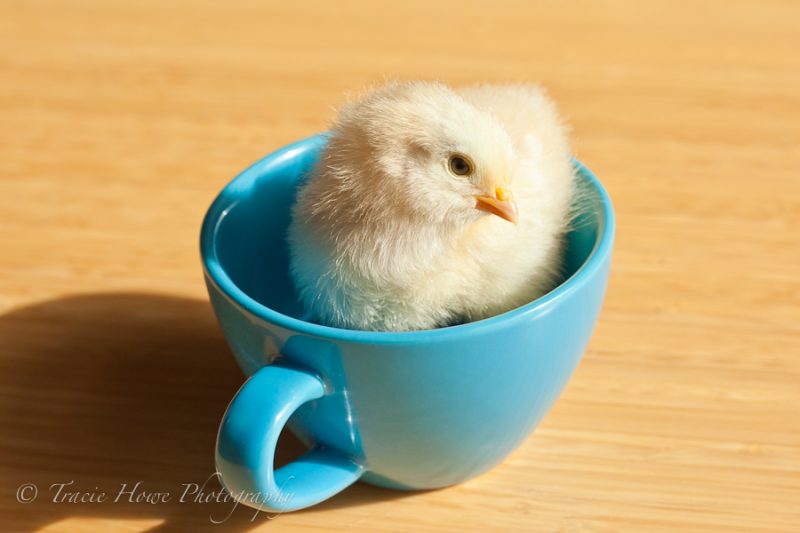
(432, 206)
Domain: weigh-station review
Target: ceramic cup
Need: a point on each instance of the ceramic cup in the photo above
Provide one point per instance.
(407, 410)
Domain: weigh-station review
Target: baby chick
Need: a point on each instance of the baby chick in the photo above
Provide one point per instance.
(432, 206)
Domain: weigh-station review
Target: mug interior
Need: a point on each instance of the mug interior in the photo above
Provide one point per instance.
(249, 222)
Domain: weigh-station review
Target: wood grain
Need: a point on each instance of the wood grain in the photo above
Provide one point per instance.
(121, 120)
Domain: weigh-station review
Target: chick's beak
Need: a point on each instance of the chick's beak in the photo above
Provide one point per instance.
(501, 204)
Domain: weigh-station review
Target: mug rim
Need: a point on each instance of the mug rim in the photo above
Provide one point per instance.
(231, 194)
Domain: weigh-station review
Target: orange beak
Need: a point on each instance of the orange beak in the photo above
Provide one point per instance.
(501, 204)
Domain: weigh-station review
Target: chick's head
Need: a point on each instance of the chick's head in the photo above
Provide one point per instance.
(430, 154)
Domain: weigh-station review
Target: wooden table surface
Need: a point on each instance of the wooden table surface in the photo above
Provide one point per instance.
(121, 120)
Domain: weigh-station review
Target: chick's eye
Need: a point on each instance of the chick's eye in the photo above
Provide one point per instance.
(460, 165)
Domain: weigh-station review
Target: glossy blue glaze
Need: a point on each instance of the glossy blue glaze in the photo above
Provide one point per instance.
(249, 434)
(409, 410)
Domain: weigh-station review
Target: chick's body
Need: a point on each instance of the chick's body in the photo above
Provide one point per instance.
(395, 229)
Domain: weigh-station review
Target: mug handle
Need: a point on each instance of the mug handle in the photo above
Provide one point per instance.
(249, 433)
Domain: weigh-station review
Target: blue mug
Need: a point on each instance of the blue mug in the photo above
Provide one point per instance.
(405, 410)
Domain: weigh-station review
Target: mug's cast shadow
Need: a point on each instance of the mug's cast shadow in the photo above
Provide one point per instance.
(109, 390)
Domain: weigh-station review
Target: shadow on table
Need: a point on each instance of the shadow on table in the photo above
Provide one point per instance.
(109, 390)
